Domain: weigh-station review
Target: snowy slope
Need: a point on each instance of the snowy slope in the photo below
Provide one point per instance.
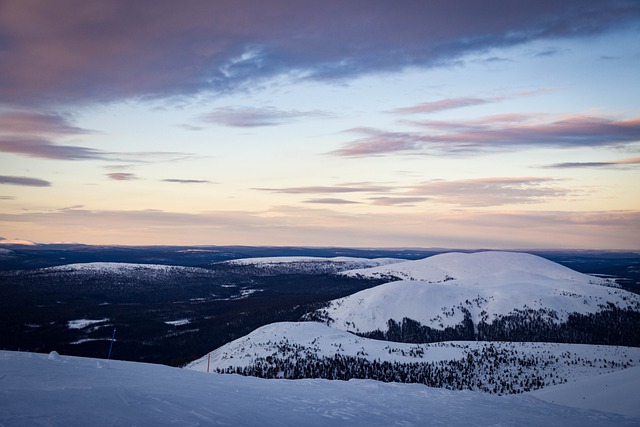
(488, 285)
(612, 392)
(309, 264)
(310, 342)
(64, 391)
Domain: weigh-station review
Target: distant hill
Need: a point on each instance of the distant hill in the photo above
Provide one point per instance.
(486, 296)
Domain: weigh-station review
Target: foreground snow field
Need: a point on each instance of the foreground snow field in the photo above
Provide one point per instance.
(52, 390)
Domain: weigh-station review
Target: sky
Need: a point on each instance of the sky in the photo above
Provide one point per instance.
(459, 124)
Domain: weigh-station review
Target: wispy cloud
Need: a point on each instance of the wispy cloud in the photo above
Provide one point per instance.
(256, 117)
(486, 192)
(496, 133)
(397, 201)
(377, 142)
(621, 163)
(187, 181)
(442, 105)
(21, 180)
(329, 189)
(42, 148)
(38, 123)
(162, 48)
(460, 102)
(37, 134)
(480, 192)
(122, 176)
(331, 201)
(33, 134)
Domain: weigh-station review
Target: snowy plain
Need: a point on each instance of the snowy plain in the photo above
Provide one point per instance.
(53, 390)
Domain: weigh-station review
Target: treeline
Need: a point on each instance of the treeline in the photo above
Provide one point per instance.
(491, 369)
(611, 326)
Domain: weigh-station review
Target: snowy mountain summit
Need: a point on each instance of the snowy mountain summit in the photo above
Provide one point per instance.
(484, 296)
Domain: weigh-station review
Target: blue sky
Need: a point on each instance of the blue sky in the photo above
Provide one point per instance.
(463, 124)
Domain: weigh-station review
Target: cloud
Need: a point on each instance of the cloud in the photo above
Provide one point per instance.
(20, 180)
(122, 176)
(486, 192)
(78, 51)
(443, 104)
(377, 142)
(459, 102)
(42, 148)
(35, 134)
(256, 117)
(496, 133)
(187, 181)
(397, 201)
(339, 188)
(480, 192)
(32, 134)
(622, 163)
(331, 201)
(37, 123)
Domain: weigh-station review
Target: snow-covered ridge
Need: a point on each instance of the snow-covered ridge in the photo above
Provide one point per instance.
(118, 267)
(286, 349)
(310, 264)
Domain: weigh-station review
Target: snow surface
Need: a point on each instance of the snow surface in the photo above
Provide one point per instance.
(118, 267)
(488, 284)
(613, 392)
(57, 390)
(83, 323)
(179, 322)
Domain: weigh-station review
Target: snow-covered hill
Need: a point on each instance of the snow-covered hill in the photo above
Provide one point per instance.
(475, 292)
(62, 391)
(311, 265)
(120, 268)
(314, 350)
(480, 268)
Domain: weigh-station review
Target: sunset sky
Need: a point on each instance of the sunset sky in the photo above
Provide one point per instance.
(459, 124)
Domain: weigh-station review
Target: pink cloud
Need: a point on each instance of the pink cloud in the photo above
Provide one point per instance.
(442, 105)
(37, 123)
(502, 132)
(331, 201)
(122, 176)
(339, 188)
